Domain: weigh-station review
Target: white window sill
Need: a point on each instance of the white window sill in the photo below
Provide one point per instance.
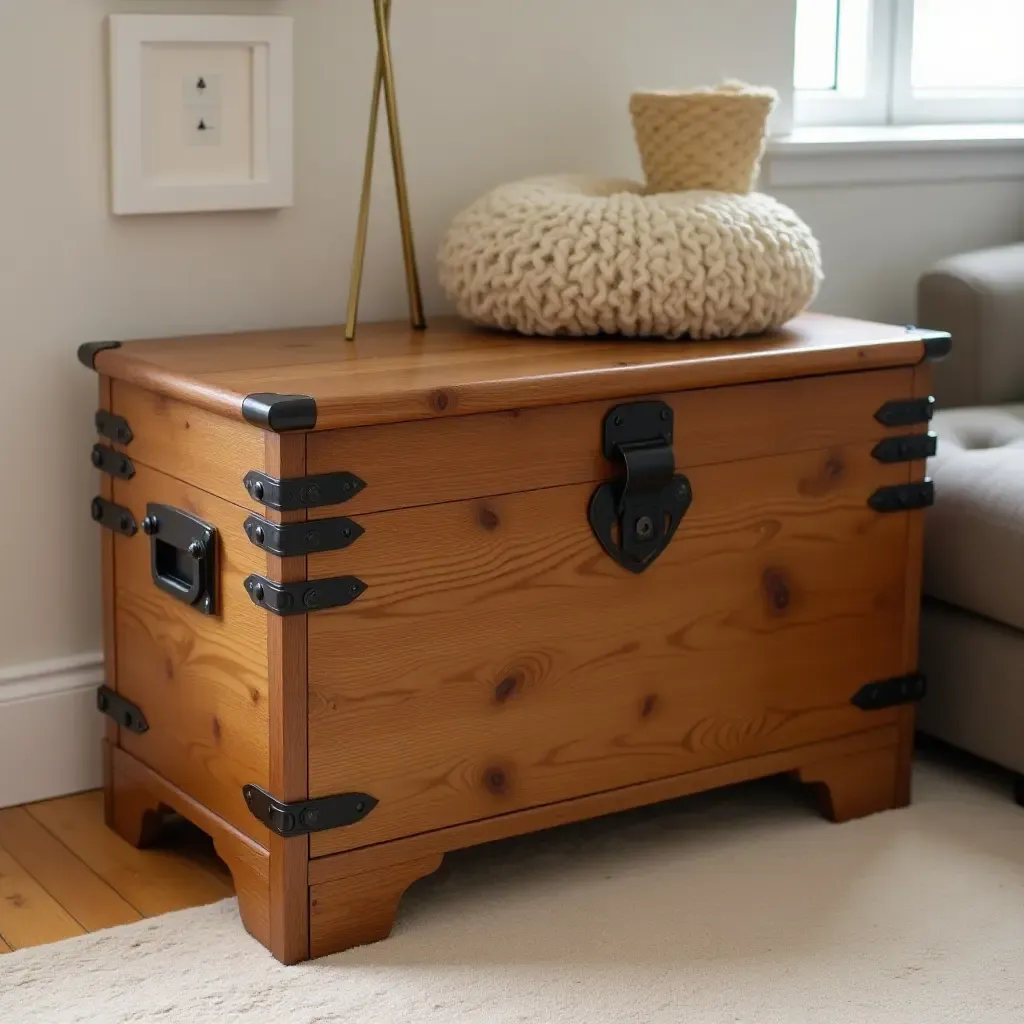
(884, 154)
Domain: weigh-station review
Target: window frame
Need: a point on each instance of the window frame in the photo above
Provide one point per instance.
(889, 97)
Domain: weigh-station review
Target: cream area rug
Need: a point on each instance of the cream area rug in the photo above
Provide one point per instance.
(735, 906)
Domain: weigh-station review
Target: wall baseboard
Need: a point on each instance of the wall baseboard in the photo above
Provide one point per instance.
(50, 730)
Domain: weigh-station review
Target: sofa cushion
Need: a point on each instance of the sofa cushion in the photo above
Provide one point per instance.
(974, 546)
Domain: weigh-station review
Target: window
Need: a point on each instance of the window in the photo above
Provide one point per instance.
(909, 61)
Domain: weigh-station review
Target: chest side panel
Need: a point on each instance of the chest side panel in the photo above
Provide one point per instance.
(499, 659)
(422, 463)
(200, 680)
(206, 450)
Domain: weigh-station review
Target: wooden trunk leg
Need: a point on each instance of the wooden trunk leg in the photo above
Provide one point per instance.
(250, 874)
(858, 784)
(130, 809)
(361, 908)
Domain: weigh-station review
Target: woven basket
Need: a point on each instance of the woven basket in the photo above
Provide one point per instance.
(704, 139)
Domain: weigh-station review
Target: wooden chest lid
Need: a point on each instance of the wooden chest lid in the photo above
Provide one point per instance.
(311, 378)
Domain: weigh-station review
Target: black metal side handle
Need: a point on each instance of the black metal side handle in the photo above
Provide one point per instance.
(182, 556)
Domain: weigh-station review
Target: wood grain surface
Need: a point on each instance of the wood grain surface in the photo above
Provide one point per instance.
(191, 444)
(533, 819)
(105, 488)
(393, 374)
(29, 915)
(499, 659)
(248, 863)
(152, 881)
(286, 655)
(920, 388)
(77, 888)
(361, 908)
(414, 463)
(201, 680)
(854, 785)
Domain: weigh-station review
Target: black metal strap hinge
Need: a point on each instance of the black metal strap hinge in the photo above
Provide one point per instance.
(114, 517)
(297, 493)
(903, 497)
(889, 693)
(907, 448)
(106, 460)
(305, 816)
(113, 427)
(127, 715)
(299, 598)
(906, 412)
(636, 517)
(288, 539)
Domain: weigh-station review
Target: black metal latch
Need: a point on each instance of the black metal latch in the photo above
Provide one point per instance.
(299, 598)
(124, 712)
(296, 493)
(305, 816)
(636, 517)
(114, 517)
(182, 556)
(288, 539)
(888, 693)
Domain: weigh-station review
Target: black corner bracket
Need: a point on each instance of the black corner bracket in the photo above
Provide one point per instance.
(280, 413)
(305, 816)
(937, 344)
(88, 351)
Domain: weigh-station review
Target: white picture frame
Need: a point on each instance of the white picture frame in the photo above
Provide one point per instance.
(267, 180)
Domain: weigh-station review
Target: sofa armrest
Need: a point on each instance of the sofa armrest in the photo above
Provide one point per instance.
(979, 298)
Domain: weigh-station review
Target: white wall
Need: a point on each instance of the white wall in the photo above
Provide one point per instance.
(489, 90)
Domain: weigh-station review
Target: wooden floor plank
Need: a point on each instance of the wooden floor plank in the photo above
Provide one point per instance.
(75, 886)
(153, 881)
(4, 948)
(28, 915)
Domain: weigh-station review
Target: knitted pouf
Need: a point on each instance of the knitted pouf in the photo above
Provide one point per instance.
(584, 256)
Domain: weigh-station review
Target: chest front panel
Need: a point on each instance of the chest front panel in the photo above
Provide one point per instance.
(500, 659)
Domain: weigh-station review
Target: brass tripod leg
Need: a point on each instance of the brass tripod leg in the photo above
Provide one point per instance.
(384, 78)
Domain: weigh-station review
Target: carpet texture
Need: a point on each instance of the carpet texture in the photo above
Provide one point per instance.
(735, 906)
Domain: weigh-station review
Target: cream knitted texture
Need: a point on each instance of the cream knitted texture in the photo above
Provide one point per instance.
(583, 256)
(707, 138)
(694, 253)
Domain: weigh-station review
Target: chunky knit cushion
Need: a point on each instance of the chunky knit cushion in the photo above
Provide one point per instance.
(583, 256)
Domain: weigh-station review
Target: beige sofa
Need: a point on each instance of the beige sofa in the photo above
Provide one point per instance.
(973, 622)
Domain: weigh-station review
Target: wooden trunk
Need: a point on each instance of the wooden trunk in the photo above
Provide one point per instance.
(492, 627)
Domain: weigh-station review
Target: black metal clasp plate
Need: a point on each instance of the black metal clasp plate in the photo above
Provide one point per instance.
(903, 497)
(906, 448)
(106, 460)
(296, 493)
(127, 715)
(299, 598)
(114, 517)
(305, 816)
(906, 412)
(182, 556)
(113, 427)
(288, 539)
(636, 517)
(888, 693)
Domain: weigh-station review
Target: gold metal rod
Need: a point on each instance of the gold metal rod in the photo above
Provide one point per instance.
(362, 229)
(412, 276)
